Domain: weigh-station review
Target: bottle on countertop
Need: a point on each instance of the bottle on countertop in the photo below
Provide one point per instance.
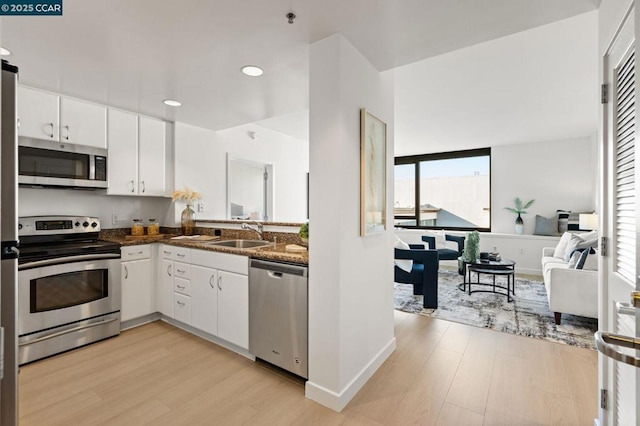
(153, 228)
(136, 228)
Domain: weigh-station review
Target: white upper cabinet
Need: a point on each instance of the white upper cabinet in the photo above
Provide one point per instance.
(47, 116)
(137, 149)
(83, 123)
(39, 114)
(123, 153)
(151, 147)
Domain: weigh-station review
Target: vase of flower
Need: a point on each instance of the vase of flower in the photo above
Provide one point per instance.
(188, 216)
(519, 225)
(188, 221)
(520, 208)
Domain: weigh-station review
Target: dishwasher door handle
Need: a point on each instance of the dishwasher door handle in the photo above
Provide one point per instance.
(274, 274)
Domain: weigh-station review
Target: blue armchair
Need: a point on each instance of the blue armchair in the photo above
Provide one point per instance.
(445, 253)
(423, 275)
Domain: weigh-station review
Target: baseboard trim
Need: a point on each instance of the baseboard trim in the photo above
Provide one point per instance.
(337, 401)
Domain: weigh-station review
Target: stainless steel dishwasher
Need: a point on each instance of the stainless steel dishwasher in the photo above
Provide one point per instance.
(278, 315)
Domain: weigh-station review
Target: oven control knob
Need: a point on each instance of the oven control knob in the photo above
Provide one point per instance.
(85, 224)
(19, 226)
(94, 224)
(77, 224)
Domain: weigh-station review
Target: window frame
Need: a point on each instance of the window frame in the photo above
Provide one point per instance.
(416, 160)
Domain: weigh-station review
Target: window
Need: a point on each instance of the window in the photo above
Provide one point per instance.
(450, 190)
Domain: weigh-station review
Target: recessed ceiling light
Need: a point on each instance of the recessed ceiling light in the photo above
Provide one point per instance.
(171, 102)
(252, 71)
(4, 52)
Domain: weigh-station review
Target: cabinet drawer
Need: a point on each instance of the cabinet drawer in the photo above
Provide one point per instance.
(223, 261)
(182, 308)
(182, 286)
(136, 252)
(181, 254)
(182, 270)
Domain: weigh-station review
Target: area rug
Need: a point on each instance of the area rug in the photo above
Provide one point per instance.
(527, 314)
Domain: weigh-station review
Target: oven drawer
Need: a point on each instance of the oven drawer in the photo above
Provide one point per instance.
(136, 252)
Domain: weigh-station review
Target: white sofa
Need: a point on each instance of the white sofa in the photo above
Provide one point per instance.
(569, 291)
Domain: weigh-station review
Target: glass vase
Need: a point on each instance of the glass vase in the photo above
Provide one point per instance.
(188, 221)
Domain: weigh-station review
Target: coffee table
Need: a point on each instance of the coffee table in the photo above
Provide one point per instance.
(504, 267)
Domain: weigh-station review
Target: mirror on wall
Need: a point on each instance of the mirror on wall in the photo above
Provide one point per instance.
(249, 189)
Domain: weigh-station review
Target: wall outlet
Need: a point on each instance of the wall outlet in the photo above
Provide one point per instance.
(115, 219)
(200, 206)
(521, 251)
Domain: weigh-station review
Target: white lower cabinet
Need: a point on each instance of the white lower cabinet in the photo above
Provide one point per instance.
(233, 308)
(204, 295)
(206, 290)
(136, 272)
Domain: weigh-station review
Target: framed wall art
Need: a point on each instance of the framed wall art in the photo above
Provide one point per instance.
(373, 174)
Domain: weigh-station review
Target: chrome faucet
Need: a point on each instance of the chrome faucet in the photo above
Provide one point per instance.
(258, 229)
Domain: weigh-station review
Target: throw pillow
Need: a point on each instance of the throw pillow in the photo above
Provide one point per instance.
(576, 243)
(574, 220)
(589, 235)
(546, 226)
(563, 220)
(440, 239)
(561, 248)
(575, 258)
(404, 264)
(588, 260)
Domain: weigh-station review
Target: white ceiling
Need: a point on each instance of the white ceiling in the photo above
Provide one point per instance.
(133, 54)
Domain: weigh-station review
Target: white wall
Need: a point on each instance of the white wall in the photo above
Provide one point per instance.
(559, 174)
(35, 202)
(201, 163)
(350, 279)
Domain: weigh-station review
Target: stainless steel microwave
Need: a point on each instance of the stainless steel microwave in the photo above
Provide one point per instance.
(57, 164)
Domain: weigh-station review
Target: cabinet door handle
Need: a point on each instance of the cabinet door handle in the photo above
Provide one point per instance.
(133, 254)
(132, 186)
(210, 283)
(180, 303)
(180, 255)
(143, 186)
(168, 253)
(219, 286)
(126, 273)
(169, 270)
(180, 271)
(50, 134)
(181, 287)
(68, 133)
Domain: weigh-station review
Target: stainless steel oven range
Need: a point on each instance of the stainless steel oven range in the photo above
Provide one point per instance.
(68, 285)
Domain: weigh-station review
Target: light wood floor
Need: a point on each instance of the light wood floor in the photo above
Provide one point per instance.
(442, 373)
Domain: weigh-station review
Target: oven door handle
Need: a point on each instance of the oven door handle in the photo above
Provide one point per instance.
(68, 259)
(67, 331)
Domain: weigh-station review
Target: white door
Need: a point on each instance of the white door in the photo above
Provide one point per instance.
(151, 148)
(122, 133)
(204, 299)
(620, 228)
(233, 308)
(83, 123)
(39, 114)
(136, 289)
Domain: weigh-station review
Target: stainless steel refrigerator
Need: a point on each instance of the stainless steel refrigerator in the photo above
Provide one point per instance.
(9, 244)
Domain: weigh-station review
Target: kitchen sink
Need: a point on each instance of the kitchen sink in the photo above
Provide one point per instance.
(242, 244)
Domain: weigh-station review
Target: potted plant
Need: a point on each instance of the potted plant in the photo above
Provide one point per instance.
(520, 208)
(471, 247)
(304, 233)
